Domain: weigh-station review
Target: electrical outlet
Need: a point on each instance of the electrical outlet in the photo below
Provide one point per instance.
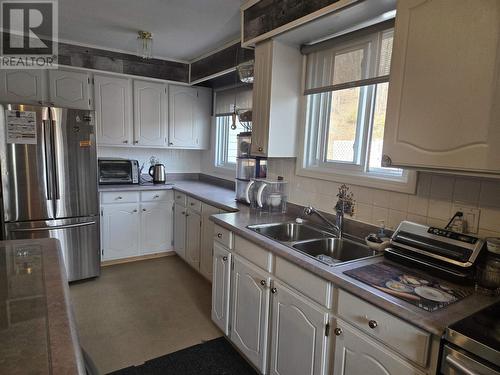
(471, 216)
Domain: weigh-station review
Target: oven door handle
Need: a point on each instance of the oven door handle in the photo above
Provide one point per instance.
(459, 365)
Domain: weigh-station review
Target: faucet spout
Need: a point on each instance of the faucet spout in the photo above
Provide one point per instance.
(338, 226)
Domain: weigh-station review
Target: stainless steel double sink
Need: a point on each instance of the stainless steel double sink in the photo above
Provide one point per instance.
(312, 241)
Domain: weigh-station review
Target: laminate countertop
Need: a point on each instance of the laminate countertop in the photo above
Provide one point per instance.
(37, 331)
(214, 195)
(434, 322)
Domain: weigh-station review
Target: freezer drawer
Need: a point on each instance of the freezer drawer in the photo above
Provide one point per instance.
(79, 239)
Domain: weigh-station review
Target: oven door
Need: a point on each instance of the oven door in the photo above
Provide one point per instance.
(115, 172)
(458, 362)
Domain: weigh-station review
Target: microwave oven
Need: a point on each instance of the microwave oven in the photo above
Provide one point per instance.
(118, 171)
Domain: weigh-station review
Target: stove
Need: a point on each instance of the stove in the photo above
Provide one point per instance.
(473, 344)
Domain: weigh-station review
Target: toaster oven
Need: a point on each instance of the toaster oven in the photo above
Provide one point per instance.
(118, 171)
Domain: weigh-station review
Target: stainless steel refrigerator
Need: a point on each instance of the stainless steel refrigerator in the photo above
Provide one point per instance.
(49, 181)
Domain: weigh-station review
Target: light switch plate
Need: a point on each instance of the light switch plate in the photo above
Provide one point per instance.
(471, 216)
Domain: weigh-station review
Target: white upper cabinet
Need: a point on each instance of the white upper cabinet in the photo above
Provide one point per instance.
(70, 89)
(189, 117)
(23, 86)
(150, 113)
(299, 342)
(113, 106)
(444, 97)
(276, 95)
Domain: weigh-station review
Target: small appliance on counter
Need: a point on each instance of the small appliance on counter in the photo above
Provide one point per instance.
(472, 345)
(157, 172)
(116, 171)
(268, 195)
(247, 167)
(488, 269)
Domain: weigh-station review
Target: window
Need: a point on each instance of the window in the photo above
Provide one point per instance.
(226, 142)
(225, 138)
(346, 99)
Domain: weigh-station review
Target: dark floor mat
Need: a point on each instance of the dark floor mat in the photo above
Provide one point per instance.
(214, 357)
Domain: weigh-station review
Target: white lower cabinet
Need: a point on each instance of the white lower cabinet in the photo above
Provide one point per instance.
(250, 311)
(207, 242)
(180, 230)
(356, 353)
(156, 227)
(193, 237)
(220, 287)
(299, 341)
(120, 230)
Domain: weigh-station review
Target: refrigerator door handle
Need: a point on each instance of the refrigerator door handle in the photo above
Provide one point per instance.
(47, 157)
(54, 158)
(53, 228)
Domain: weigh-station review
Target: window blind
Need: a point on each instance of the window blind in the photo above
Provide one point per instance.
(226, 99)
(352, 60)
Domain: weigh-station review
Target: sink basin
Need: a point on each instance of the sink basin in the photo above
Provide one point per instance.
(289, 232)
(334, 250)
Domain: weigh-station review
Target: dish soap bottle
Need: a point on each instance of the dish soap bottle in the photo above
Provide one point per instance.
(379, 241)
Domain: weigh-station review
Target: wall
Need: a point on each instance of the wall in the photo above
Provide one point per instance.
(432, 204)
(176, 161)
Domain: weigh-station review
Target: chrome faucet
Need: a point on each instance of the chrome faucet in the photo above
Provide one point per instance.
(338, 225)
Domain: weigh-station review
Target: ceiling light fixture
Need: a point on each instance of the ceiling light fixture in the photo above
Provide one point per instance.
(145, 44)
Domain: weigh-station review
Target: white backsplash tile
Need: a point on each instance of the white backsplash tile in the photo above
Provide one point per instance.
(439, 209)
(418, 205)
(395, 217)
(490, 194)
(398, 201)
(381, 198)
(467, 191)
(442, 187)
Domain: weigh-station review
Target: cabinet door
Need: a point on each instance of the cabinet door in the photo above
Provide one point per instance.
(442, 109)
(250, 311)
(113, 106)
(23, 86)
(299, 341)
(203, 117)
(120, 230)
(182, 129)
(356, 354)
(261, 97)
(193, 238)
(180, 230)
(156, 227)
(70, 89)
(207, 240)
(220, 287)
(150, 113)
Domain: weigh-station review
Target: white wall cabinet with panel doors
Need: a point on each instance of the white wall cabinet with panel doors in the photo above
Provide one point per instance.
(356, 353)
(443, 104)
(150, 113)
(180, 230)
(276, 96)
(23, 86)
(299, 335)
(220, 287)
(207, 241)
(187, 127)
(156, 222)
(120, 235)
(70, 89)
(113, 106)
(250, 288)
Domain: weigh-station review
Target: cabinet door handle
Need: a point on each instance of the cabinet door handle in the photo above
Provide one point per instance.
(337, 331)
(118, 198)
(134, 211)
(156, 197)
(136, 142)
(144, 209)
(192, 203)
(224, 258)
(261, 149)
(125, 141)
(386, 161)
(274, 290)
(219, 235)
(263, 282)
(372, 324)
(170, 143)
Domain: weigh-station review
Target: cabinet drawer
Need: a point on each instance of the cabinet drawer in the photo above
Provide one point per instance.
(402, 337)
(254, 253)
(156, 195)
(194, 204)
(314, 287)
(224, 236)
(120, 197)
(180, 198)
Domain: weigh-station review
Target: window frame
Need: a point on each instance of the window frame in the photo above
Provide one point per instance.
(312, 147)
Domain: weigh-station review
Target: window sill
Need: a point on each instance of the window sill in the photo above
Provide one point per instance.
(405, 184)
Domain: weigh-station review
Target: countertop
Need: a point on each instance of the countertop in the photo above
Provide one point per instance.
(433, 322)
(37, 331)
(211, 194)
